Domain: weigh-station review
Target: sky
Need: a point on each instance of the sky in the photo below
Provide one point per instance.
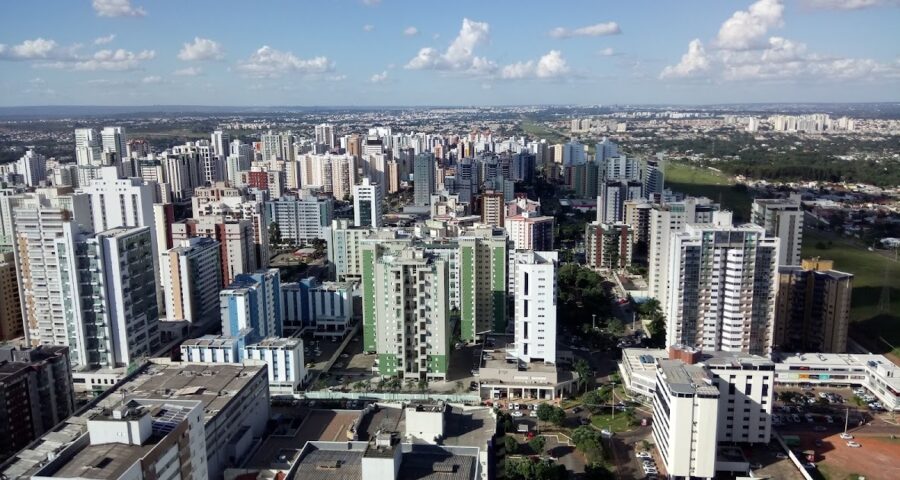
(430, 52)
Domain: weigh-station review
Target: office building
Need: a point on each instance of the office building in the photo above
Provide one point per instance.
(653, 176)
(423, 179)
(367, 199)
(481, 263)
(192, 278)
(406, 312)
(235, 237)
(608, 246)
(813, 307)
(666, 221)
(783, 219)
(233, 406)
(723, 282)
(10, 305)
(252, 301)
(325, 309)
(684, 426)
(301, 219)
(36, 393)
(530, 231)
(117, 307)
(283, 357)
(219, 141)
(534, 305)
(114, 140)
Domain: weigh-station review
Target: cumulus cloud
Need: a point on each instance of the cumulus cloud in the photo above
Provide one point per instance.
(692, 63)
(39, 48)
(460, 54)
(741, 52)
(551, 65)
(368, 28)
(410, 31)
(269, 62)
(189, 72)
(152, 79)
(379, 77)
(104, 40)
(117, 8)
(596, 30)
(748, 28)
(111, 60)
(849, 4)
(201, 49)
(607, 52)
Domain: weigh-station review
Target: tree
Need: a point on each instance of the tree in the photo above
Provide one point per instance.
(423, 385)
(593, 400)
(510, 445)
(583, 369)
(537, 444)
(597, 471)
(558, 416)
(274, 234)
(544, 412)
(615, 326)
(361, 385)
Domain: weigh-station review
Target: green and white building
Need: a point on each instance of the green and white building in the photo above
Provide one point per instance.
(482, 262)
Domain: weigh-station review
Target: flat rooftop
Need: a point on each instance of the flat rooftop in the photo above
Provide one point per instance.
(323, 463)
(106, 461)
(686, 379)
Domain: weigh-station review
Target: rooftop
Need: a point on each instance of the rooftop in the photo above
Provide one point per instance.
(686, 379)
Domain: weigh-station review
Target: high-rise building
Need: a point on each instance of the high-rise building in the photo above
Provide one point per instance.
(610, 203)
(406, 311)
(367, 199)
(235, 237)
(493, 206)
(637, 216)
(251, 306)
(114, 140)
(32, 167)
(192, 278)
(87, 147)
(653, 176)
(220, 143)
(608, 245)
(10, 306)
(481, 262)
(8, 200)
(723, 282)
(271, 146)
(782, 218)
(343, 249)
(36, 394)
(813, 307)
(573, 153)
(325, 135)
(423, 179)
(116, 292)
(301, 218)
(530, 231)
(534, 300)
(667, 220)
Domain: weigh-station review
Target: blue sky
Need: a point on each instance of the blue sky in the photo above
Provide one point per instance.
(421, 52)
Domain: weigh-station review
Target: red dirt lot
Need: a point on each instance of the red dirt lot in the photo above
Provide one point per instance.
(877, 459)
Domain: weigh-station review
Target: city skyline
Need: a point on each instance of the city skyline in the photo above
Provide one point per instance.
(372, 52)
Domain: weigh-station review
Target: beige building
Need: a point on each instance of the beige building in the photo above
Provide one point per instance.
(10, 308)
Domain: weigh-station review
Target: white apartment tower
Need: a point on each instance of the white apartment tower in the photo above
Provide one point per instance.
(87, 147)
(367, 198)
(192, 278)
(535, 305)
(325, 134)
(114, 140)
(783, 219)
(723, 282)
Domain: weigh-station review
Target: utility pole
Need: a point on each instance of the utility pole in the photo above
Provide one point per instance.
(594, 321)
(846, 419)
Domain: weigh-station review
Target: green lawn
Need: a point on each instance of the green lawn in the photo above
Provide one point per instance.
(704, 182)
(606, 421)
(540, 131)
(878, 331)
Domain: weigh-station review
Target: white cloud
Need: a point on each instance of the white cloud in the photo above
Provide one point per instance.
(104, 40)
(692, 63)
(189, 72)
(379, 77)
(39, 48)
(551, 65)
(747, 29)
(596, 30)
(368, 28)
(849, 4)
(113, 60)
(410, 31)
(460, 54)
(117, 8)
(201, 49)
(607, 52)
(153, 79)
(268, 62)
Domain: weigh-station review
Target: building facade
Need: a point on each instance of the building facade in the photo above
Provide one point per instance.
(813, 307)
(534, 304)
(782, 219)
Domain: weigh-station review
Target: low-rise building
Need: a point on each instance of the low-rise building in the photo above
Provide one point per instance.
(283, 357)
(874, 372)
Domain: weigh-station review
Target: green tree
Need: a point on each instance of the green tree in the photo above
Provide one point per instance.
(544, 412)
(510, 445)
(275, 234)
(537, 444)
(583, 369)
(558, 416)
(615, 326)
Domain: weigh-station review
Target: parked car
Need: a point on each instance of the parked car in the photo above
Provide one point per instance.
(853, 444)
(781, 455)
(643, 455)
(846, 436)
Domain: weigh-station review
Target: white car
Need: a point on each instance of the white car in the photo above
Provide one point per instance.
(643, 455)
(853, 444)
(517, 414)
(846, 436)
(532, 414)
(606, 433)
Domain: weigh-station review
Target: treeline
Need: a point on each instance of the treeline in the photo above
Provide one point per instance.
(818, 167)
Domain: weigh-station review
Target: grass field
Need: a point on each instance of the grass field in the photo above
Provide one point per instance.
(606, 421)
(540, 131)
(709, 183)
(876, 330)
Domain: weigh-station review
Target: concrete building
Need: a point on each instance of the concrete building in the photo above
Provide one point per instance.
(423, 179)
(534, 300)
(812, 307)
(637, 216)
(283, 357)
(782, 219)
(301, 219)
(32, 167)
(530, 231)
(367, 199)
(325, 309)
(482, 262)
(723, 283)
(653, 176)
(343, 249)
(36, 393)
(406, 311)
(236, 242)
(233, 407)
(684, 428)
(10, 305)
(252, 302)
(608, 246)
(192, 279)
(325, 135)
(493, 207)
(87, 147)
